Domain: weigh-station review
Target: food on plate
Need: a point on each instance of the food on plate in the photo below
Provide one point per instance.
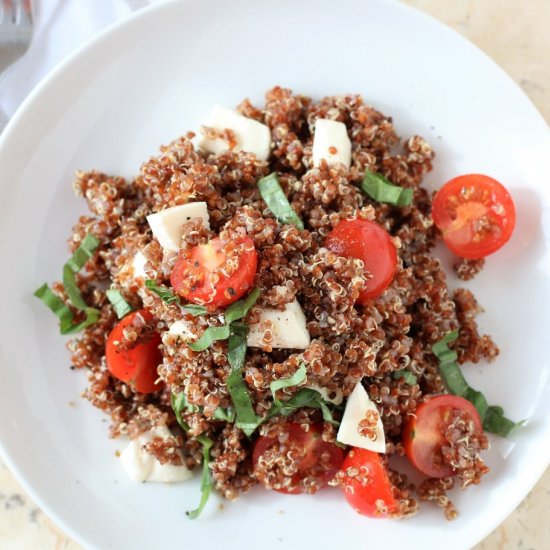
(262, 304)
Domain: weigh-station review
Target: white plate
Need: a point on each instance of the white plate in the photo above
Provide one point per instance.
(146, 81)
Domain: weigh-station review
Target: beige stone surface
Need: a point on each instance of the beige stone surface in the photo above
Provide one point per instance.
(515, 34)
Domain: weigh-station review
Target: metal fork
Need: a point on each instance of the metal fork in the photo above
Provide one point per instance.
(16, 22)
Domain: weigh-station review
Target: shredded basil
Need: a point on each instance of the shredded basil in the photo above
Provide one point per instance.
(239, 309)
(276, 201)
(180, 402)
(306, 397)
(409, 377)
(247, 420)
(380, 189)
(297, 378)
(120, 305)
(195, 310)
(492, 416)
(165, 294)
(209, 336)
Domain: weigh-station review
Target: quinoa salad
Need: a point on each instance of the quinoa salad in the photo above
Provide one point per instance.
(261, 305)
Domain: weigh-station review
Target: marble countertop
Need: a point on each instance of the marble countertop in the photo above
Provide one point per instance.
(515, 34)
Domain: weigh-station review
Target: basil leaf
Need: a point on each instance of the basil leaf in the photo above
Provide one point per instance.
(239, 309)
(276, 201)
(409, 377)
(76, 262)
(209, 336)
(297, 378)
(178, 404)
(165, 294)
(206, 478)
(247, 420)
(120, 305)
(180, 401)
(227, 415)
(63, 312)
(306, 397)
(492, 417)
(195, 309)
(382, 190)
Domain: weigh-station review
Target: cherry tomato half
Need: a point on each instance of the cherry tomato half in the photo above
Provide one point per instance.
(475, 214)
(366, 484)
(316, 464)
(137, 365)
(217, 273)
(369, 242)
(424, 432)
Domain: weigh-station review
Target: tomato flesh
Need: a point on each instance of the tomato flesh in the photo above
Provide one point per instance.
(424, 432)
(137, 365)
(475, 214)
(366, 484)
(217, 273)
(317, 463)
(371, 243)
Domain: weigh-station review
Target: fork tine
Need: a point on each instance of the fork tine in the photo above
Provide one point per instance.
(21, 15)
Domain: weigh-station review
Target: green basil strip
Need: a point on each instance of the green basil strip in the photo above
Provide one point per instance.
(492, 417)
(63, 312)
(206, 478)
(247, 420)
(380, 189)
(305, 398)
(409, 377)
(276, 201)
(239, 309)
(195, 310)
(180, 401)
(209, 336)
(76, 262)
(165, 294)
(120, 305)
(178, 405)
(297, 378)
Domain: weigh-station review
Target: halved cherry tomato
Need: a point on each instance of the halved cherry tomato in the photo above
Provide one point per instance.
(137, 365)
(366, 241)
(366, 484)
(475, 214)
(217, 273)
(424, 432)
(316, 461)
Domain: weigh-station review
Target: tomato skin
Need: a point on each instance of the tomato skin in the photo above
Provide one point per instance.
(364, 494)
(136, 366)
(310, 464)
(371, 243)
(192, 275)
(423, 432)
(475, 214)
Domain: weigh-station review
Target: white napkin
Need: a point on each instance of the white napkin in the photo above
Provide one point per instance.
(60, 27)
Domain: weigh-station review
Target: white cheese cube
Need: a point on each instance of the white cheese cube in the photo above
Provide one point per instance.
(142, 466)
(325, 394)
(138, 265)
(251, 136)
(356, 408)
(167, 225)
(181, 328)
(331, 142)
(289, 329)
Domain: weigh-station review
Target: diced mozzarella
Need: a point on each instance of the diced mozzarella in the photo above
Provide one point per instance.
(138, 265)
(331, 142)
(356, 408)
(167, 225)
(142, 466)
(325, 394)
(289, 329)
(251, 136)
(181, 328)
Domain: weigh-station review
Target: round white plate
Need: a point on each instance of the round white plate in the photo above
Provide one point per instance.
(148, 80)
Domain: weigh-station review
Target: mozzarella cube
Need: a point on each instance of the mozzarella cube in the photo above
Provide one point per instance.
(356, 408)
(142, 466)
(325, 394)
(181, 328)
(289, 328)
(138, 265)
(331, 142)
(251, 136)
(167, 225)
